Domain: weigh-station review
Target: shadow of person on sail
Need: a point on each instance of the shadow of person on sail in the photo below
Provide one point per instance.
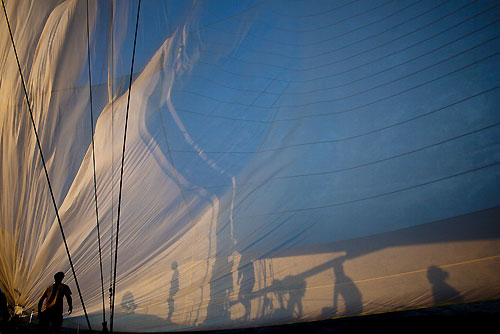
(174, 288)
(344, 288)
(221, 287)
(131, 316)
(128, 303)
(442, 292)
(290, 291)
(246, 280)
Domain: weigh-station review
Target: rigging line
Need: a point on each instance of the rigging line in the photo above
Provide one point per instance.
(112, 154)
(327, 114)
(289, 56)
(395, 52)
(93, 165)
(361, 165)
(256, 5)
(404, 62)
(219, 68)
(361, 53)
(44, 166)
(318, 66)
(346, 46)
(362, 65)
(372, 162)
(111, 78)
(373, 196)
(121, 170)
(384, 98)
(295, 17)
(259, 92)
(329, 141)
(273, 27)
(423, 69)
(280, 43)
(362, 78)
(276, 42)
(388, 158)
(220, 84)
(367, 163)
(329, 25)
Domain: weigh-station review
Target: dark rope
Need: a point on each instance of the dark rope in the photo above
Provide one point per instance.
(112, 159)
(104, 324)
(121, 171)
(44, 166)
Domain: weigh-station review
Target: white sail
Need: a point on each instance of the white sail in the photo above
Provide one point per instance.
(285, 161)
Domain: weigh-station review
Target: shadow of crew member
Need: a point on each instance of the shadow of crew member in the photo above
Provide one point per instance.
(344, 287)
(246, 280)
(291, 289)
(51, 314)
(128, 303)
(442, 292)
(174, 288)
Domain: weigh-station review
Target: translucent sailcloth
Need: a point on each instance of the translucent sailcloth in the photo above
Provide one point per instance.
(285, 161)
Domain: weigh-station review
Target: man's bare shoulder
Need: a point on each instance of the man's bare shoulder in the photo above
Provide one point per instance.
(66, 289)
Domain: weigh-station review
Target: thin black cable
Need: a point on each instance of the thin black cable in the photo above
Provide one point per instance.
(323, 88)
(104, 325)
(384, 98)
(331, 141)
(256, 5)
(112, 157)
(346, 110)
(277, 42)
(405, 62)
(358, 136)
(121, 171)
(336, 99)
(44, 166)
(317, 66)
(211, 81)
(423, 69)
(373, 196)
(363, 78)
(388, 158)
(333, 37)
(219, 68)
(262, 38)
(392, 53)
(358, 66)
(298, 17)
(364, 164)
(218, 32)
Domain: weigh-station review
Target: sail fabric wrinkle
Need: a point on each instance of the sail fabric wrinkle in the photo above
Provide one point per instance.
(285, 161)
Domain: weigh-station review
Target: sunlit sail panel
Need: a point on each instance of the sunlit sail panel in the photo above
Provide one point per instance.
(284, 161)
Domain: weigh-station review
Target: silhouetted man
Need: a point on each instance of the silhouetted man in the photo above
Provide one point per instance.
(51, 314)
(4, 311)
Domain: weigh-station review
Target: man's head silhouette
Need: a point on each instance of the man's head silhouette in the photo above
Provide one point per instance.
(58, 277)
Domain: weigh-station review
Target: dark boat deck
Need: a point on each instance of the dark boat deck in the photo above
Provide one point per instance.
(480, 317)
